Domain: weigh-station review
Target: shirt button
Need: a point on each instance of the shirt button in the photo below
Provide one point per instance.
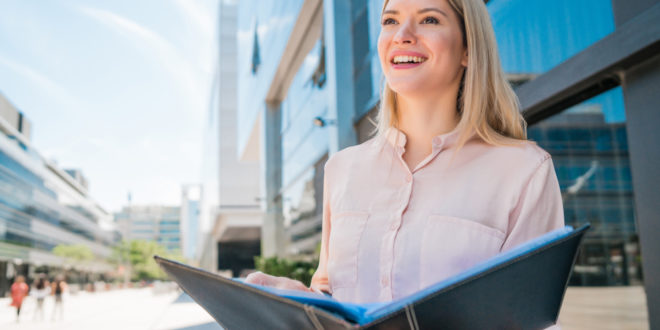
(384, 281)
(393, 226)
(409, 178)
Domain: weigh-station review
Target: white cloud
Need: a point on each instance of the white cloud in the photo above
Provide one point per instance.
(160, 49)
(205, 20)
(43, 83)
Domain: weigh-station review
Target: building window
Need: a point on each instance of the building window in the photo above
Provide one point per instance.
(589, 148)
(256, 57)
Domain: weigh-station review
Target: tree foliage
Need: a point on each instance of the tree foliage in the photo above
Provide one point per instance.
(296, 269)
(74, 252)
(139, 256)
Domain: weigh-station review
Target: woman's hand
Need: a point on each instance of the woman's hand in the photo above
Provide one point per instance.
(260, 278)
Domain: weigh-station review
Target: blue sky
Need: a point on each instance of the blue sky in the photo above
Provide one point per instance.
(118, 89)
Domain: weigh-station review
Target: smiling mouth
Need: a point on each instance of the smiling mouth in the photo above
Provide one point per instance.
(403, 59)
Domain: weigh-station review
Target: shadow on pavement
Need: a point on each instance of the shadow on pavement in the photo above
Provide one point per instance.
(183, 298)
(205, 326)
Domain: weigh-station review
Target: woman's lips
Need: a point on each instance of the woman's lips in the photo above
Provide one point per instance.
(406, 65)
(406, 59)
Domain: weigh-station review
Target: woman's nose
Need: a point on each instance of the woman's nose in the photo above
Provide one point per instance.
(405, 34)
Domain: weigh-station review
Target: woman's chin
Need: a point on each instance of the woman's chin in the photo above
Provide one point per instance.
(410, 89)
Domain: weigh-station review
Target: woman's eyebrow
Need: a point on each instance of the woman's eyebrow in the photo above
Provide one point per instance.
(432, 9)
(421, 11)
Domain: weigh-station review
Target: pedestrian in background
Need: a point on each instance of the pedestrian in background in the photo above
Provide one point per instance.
(58, 288)
(18, 291)
(41, 289)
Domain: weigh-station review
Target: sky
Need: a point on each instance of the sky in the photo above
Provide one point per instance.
(119, 89)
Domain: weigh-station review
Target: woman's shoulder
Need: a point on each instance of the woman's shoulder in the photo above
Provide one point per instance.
(348, 156)
(523, 153)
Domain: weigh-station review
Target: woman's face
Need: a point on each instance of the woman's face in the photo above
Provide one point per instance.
(421, 46)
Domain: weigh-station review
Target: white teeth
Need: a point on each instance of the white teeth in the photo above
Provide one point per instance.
(407, 59)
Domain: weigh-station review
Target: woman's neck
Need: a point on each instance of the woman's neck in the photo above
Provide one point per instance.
(423, 118)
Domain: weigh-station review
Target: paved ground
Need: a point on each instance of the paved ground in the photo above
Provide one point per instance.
(584, 309)
(121, 309)
(608, 308)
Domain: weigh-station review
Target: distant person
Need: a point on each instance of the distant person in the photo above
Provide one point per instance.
(18, 291)
(58, 288)
(40, 291)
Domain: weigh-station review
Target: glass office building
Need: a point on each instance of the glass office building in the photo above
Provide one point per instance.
(42, 206)
(161, 224)
(309, 83)
(588, 141)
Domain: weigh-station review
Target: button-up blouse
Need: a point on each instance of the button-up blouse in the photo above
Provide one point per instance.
(389, 232)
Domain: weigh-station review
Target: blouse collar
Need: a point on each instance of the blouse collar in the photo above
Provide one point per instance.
(443, 141)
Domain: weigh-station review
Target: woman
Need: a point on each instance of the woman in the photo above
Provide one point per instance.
(18, 292)
(448, 181)
(58, 288)
(40, 292)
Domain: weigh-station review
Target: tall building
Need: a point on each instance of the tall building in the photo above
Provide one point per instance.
(42, 206)
(232, 199)
(191, 195)
(586, 73)
(151, 223)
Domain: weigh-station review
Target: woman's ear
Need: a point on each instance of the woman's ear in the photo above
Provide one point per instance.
(464, 60)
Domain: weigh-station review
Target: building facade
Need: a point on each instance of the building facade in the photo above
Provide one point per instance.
(191, 196)
(586, 73)
(42, 206)
(161, 224)
(232, 196)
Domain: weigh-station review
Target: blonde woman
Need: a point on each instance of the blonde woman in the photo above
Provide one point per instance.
(448, 181)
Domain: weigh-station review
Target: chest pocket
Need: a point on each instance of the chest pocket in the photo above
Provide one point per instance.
(451, 245)
(346, 231)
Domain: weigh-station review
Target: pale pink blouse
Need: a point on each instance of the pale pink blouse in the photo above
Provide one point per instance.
(389, 232)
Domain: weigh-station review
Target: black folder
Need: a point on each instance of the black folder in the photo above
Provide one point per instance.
(522, 288)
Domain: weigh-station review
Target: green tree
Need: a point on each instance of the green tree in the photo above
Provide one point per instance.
(301, 270)
(137, 256)
(74, 252)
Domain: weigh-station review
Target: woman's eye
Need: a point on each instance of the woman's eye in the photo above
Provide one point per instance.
(388, 21)
(430, 20)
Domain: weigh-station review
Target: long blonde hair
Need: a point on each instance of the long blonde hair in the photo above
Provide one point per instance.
(486, 102)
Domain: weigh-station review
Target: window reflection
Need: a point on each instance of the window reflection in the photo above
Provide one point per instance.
(33, 205)
(303, 210)
(589, 148)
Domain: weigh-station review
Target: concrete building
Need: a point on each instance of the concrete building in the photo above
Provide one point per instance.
(586, 73)
(42, 206)
(232, 200)
(191, 195)
(151, 223)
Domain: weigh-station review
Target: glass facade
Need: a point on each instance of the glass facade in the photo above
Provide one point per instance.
(588, 142)
(158, 223)
(41, 207)
(38, 209)
(535, 36)
(303, 210)
(303, 143)
(591, 159)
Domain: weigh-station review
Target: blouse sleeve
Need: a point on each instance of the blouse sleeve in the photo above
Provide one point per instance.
(320, 278)
(539, 209)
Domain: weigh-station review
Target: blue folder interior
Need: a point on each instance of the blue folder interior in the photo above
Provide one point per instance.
(365, 313)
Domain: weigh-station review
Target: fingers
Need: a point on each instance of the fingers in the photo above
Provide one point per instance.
(289, 284)
(323, 289)
(260, 278)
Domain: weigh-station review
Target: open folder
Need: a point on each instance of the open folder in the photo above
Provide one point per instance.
(522, 288)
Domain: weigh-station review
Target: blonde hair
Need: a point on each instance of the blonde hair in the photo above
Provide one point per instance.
(486, 102)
